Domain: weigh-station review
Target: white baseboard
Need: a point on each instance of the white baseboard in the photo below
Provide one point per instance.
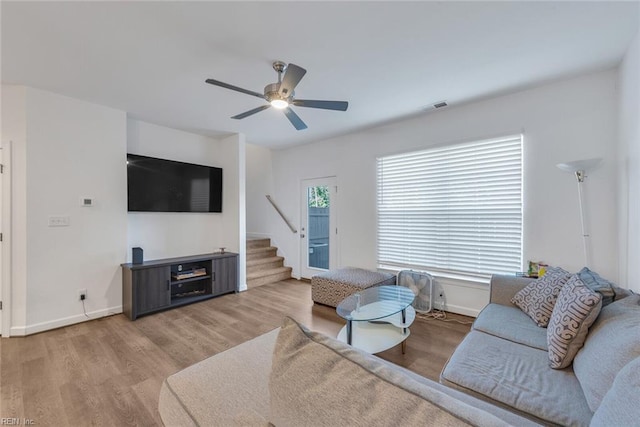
(242, 288)
(461, 310)
(65, 321)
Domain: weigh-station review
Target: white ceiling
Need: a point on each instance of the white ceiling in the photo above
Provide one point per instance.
(388, 59)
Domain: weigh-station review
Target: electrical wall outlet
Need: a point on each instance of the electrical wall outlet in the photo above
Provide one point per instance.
(439, 303)
(82, 293)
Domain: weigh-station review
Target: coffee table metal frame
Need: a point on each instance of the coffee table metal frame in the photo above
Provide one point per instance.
(378, 318)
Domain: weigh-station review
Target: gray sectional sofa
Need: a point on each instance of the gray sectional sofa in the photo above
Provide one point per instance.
(504, 360)
(294, 377)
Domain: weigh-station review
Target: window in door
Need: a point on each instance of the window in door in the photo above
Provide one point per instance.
(318, 230)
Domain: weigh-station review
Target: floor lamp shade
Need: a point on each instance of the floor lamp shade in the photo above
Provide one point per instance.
(579, 168)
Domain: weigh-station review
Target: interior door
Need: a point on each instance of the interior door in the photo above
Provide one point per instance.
(1, 252)
(5, 248)
(318, 231)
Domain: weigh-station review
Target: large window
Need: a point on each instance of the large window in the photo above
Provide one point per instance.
(453, 209)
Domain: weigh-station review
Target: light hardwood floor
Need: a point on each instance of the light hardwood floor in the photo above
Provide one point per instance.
(109, 371)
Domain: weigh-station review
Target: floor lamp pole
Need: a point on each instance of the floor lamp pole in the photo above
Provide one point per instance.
(579, 168)
(585, 235)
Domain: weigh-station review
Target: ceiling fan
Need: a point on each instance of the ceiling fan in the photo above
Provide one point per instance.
(281, 95)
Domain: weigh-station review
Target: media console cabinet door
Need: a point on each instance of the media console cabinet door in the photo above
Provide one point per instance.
(152, 288)
(225, 278)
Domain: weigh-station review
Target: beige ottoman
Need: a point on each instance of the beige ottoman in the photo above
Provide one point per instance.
(332, 287)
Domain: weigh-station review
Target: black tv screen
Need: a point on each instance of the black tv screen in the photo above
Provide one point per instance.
(157, 185)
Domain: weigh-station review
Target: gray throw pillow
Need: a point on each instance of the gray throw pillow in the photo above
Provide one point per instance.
(621, 293)
(538, 298)
(576, 309)
(613, 341)
(596, 283)
(615, 409)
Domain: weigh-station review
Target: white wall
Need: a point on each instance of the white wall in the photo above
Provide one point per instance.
(262, 219)
(629, 166)
(71, 149)
(65, 149)
(562, 121)
(165, 235)
(259, 184)
(233, 149)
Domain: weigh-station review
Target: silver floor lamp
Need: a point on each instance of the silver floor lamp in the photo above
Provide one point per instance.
(580, 168)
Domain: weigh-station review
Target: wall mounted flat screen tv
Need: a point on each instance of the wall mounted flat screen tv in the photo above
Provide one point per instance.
(157, 185)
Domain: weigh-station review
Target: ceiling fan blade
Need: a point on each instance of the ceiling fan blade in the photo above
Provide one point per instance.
(236, 88)
(251, 112)
(325, 105)
(292, 77)
(294, 119)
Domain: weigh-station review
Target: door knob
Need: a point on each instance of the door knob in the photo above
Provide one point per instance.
(302, 236)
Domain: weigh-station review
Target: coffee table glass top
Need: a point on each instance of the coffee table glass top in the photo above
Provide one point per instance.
(375, 303)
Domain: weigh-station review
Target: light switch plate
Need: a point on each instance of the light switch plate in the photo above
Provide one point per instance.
(59, 221)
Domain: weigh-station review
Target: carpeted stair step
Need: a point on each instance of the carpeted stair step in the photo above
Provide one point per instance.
(264, 277)
(267, 263)
(261, 252)
(258, 243)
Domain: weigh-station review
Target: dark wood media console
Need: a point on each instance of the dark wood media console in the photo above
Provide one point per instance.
(166, 283)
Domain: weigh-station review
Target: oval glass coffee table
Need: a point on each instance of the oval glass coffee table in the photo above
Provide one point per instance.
(378, 318)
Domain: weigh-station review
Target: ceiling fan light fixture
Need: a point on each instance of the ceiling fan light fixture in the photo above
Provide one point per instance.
(281, 95)
(280, 104)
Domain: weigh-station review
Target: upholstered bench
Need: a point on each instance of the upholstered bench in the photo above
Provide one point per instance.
(332, 287)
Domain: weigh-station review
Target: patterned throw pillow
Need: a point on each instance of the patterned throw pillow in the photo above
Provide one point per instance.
(575, 311)
(538, 297)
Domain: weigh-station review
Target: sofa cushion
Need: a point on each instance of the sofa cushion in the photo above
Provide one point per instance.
(576, 309)
(215, 392)
(598, 284)
(538, 298)
(512, 324)
(316, 380)
(614, 340)
(615, 409)
(516, 376)
(503, 287)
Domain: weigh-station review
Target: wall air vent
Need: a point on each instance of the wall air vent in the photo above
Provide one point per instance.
(435, 106)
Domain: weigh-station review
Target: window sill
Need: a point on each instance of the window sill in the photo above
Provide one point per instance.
(442, 275)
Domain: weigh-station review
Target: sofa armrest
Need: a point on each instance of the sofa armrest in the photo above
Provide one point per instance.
(504, 287)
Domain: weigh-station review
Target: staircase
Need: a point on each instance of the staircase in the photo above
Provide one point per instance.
(263, 264)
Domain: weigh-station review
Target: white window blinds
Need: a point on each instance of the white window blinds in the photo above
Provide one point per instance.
(454, 209)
